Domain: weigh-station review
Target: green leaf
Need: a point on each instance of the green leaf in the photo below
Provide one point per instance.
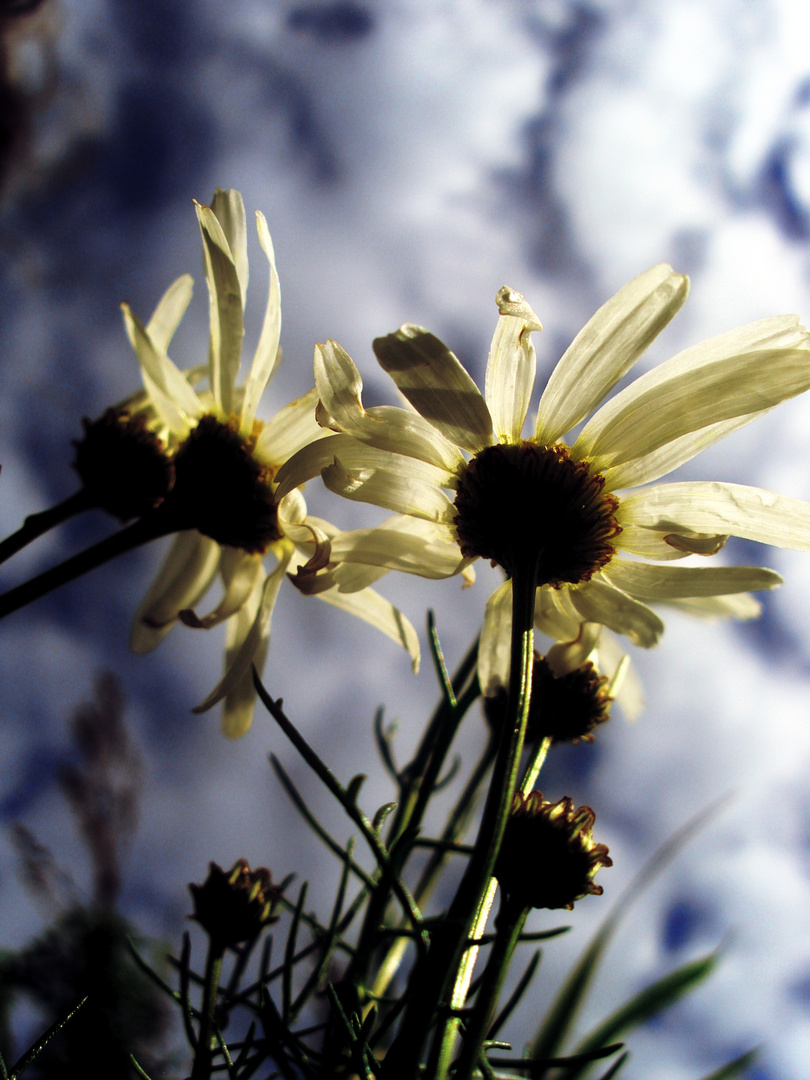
(646, 1004)
(736, 1067)
(20, 1066)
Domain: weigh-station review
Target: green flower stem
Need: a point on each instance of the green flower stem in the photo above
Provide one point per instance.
(535, 765)
(508, 928)
(454, 828)
(142, 531)
(36, 525)
(417, 783)
(434, 977)
(203, 1059)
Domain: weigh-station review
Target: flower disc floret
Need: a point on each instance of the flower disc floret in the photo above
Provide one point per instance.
(123, 465)
(525, 504)
(222, 490)
(548, 857)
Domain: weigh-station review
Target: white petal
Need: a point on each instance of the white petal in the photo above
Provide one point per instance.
(292, 428)
(566, 656)
(650, 581)
(243, 650)
(379, 613)
(229, 210)
(647, 467)
(439, 388)
(555, 614)
(733, 375)
(173, 398)
(185, 576)
(169, 312)
(292, 509)
(241, 575)
(495, 646)
(225, 310)
(511, 366)
(405, 544)
(267, 354)
(599, 601)
(713, 507)
(339, 384)
(734, 606)
(668, 546)
(400, 484)
(607, 347)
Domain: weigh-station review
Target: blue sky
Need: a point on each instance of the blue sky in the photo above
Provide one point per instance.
(411, 159)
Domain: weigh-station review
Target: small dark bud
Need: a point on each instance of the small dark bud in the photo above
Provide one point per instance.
(548, 857)
(234, 905)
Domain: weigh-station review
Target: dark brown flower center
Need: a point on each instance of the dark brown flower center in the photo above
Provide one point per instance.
(123, 466)
(530, 505)
(222, 491)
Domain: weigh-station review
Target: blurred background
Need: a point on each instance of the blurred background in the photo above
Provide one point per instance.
(410, 159)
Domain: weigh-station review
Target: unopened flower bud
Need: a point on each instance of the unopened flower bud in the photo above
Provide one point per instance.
(124, 467)
(234, 905)
(548, 857)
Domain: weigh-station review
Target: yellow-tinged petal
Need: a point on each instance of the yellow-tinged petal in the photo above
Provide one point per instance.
(403, 485)
(511, 365)
(599, 601)
(437, 385)
(225, 310)
(241, 654)
(186, 574)
(713, 507)
(267, 355)
(648, 467)
(291, 429)
(495, 644)
(388, 428)
(174, 400)
(402, 543)
(169, 312)
(241, 576)
(607, 347)
(733, 375)
(651, 581)
(229, 210)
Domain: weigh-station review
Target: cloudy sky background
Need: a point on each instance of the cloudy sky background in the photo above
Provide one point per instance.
(410, 159)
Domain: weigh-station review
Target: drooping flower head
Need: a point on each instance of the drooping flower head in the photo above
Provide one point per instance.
(548, 858)
(224, 502)
(600, 544)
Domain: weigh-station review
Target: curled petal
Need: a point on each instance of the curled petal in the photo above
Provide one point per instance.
(186, 575)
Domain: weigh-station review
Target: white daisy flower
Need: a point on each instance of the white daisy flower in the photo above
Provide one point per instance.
(586, 515)
(225, 505)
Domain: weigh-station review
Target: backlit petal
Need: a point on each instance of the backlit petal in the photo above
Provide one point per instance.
(437, 385)
(607, 347)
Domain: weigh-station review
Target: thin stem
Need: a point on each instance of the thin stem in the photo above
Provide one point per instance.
(142, 531)
(36, 525)
(434, 977)
(508, 927)
(203, 1058)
